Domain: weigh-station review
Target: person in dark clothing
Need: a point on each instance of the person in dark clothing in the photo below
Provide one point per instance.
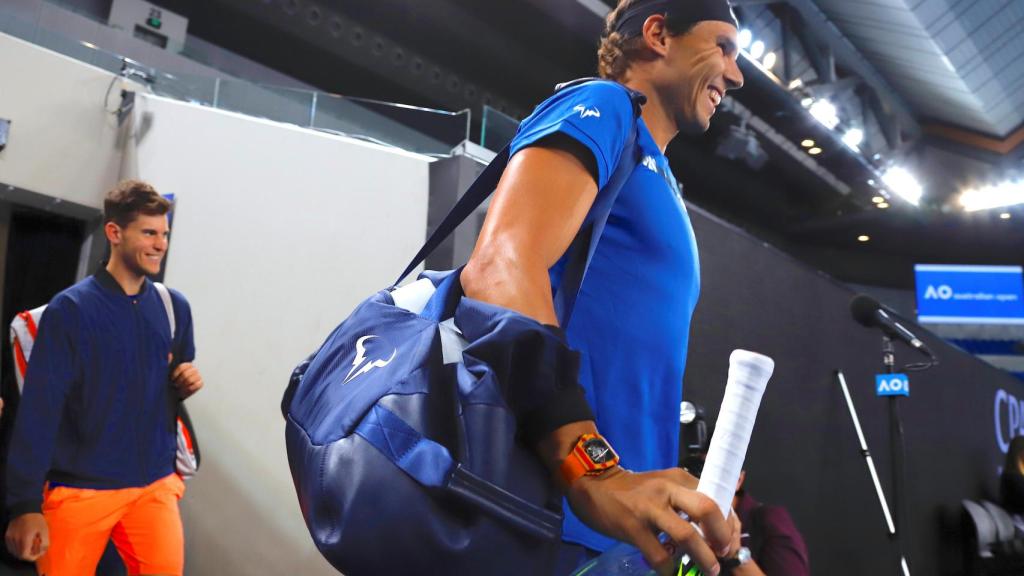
(776, 546)
(771, 543)
(92, 455)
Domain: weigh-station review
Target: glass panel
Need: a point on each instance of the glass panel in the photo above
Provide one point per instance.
(187, 87)
(415, 129)
(497, 129)
(421, 130)
(280, 104)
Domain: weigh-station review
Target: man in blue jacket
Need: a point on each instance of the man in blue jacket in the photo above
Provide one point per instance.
(92, 455)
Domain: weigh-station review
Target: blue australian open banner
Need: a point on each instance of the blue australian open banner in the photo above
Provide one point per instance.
(950, 294)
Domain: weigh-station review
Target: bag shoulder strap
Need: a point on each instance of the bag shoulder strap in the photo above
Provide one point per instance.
(165, 296)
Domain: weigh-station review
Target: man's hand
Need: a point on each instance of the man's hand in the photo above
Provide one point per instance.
(186, 379)
(635, 507)
(28, 536)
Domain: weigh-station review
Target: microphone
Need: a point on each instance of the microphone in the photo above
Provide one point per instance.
(868, 312)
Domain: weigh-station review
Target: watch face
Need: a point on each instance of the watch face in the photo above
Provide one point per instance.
(598, 450)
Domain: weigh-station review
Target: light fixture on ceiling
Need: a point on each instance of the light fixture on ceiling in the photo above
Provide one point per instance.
(740, 143)
(878, 200)
(808, 143)
(863, 238)
(807, 102)
(769, 60)
(1004, 216)
(901, 182)
(998, 196)
(825, 112)
(814, 151)
(796, 83)
(744, 38)
(883, 205)
(853, 138)
(757, 50)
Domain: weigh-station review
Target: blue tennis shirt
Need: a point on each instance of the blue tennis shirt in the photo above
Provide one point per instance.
(632, 318)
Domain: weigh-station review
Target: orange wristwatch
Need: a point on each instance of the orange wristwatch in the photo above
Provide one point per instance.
(591, 456)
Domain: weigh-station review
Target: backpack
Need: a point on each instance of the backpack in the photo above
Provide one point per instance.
(23, 335)
(402, 431)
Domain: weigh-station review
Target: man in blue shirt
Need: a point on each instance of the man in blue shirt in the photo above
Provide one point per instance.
(632, 316)
(92, 454)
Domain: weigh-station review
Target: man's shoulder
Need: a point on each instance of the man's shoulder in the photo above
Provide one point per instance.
(590, 99)
(80, 294)
(777, 518)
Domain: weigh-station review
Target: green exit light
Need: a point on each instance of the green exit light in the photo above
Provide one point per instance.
(154, 23)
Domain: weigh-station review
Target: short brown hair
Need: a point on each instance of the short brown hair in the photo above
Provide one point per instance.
(127, 200)
(616, 53)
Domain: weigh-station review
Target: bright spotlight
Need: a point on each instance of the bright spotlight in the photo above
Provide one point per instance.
(826, 113)
(863, 238)
(744, 38)
(853, 138)
(998, 196)
(808, 143)
(769, 60)
(903, 184)
(757, 50)
(807, 102)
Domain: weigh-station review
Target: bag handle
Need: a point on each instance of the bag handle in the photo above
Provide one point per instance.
(581, 251)
(431, 465)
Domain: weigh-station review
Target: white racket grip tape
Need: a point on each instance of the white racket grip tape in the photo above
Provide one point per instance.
(748, 376)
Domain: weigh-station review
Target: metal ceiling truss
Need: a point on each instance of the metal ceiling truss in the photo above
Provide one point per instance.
(827, 50)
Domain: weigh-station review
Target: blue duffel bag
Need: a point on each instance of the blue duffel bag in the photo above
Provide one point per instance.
(402, 428)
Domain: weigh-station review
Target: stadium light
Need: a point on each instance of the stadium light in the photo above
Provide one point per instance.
(853, 138)
(745, 38)
(998, 196)
(757, 50)
(826, 113)
(902, 183)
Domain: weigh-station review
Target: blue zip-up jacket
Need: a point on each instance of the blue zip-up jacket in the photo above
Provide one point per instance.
(98, 409)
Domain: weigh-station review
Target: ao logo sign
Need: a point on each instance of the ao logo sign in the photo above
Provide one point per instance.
(943, 292)
(1009, 420)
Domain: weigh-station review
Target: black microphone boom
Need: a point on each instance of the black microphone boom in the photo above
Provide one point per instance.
(868, 312)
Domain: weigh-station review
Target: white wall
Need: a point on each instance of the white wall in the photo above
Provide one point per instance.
(62, 142)
(278, 233)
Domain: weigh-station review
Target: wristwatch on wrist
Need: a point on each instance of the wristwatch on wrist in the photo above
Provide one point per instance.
(742, 557)
(592, 455)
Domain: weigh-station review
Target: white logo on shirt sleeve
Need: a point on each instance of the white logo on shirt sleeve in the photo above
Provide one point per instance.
(587, 112)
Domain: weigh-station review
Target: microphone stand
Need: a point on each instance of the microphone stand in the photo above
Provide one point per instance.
(898, 497)
(896, 445)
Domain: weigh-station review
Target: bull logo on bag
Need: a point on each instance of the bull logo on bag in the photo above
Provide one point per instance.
(360, 365)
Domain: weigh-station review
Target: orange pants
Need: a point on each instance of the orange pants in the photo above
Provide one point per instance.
(144, 523)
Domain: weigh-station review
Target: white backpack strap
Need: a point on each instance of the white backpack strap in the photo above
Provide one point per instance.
(165, 295)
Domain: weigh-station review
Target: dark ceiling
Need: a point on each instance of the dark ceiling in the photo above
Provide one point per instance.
(936, 86)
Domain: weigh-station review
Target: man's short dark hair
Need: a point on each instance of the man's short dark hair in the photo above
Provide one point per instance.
(127, 200)
(616, 52)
